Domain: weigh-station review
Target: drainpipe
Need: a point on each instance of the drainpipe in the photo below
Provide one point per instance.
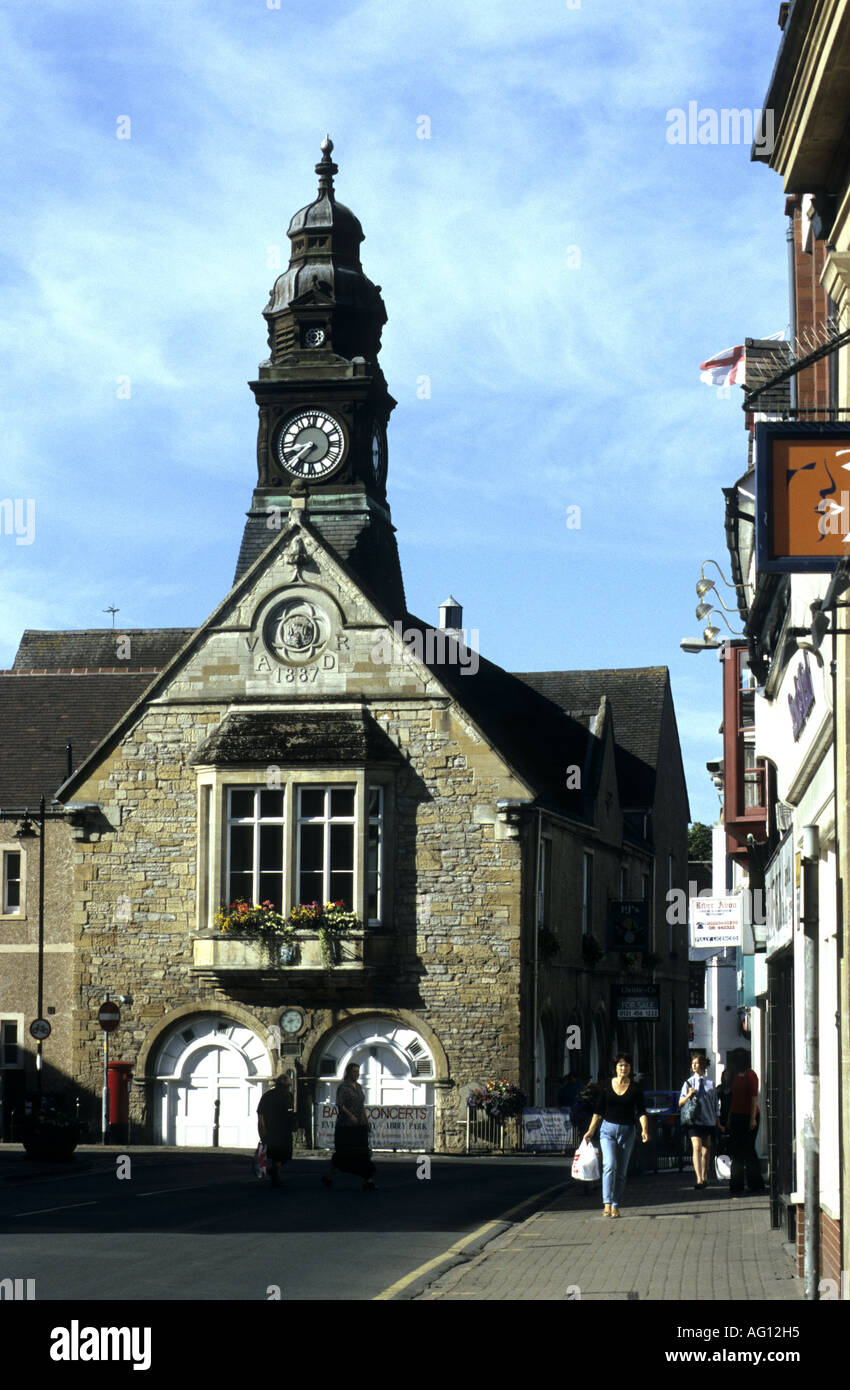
(792, 299)
(535, 925)
(811, 1126)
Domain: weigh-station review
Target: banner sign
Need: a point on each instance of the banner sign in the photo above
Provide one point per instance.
(390, 1126)
(628, 925)
(779, 892)
(636, 1002)
(803, 497)
(547, 1131)
(716, 921)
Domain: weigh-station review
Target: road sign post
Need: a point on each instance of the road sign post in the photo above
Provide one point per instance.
(108, 1016)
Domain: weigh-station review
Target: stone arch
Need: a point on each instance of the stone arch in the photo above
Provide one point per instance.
(204, 1074)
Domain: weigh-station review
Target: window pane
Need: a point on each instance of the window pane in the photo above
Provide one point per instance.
(271, 848)
(271, 805)
(312, 847)
(312, 803)
(241, 848)
(271, 890)
(341, 888)
(241, 886)
(342, 847)
(342, 801)
(310, 888)
(241, 805)
(374, 801)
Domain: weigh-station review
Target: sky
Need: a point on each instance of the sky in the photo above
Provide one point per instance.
(551, 262)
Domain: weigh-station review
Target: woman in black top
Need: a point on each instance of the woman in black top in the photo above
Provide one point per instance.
(620, 1104)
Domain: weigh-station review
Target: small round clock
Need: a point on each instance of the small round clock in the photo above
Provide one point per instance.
(379, 453)
(311, 444)
(314, 337)
(292, 1021)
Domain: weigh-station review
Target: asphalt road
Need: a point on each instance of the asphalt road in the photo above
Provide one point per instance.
(199, 1226)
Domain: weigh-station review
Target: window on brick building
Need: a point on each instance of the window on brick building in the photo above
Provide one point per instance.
(11, 887)
(10, 1050)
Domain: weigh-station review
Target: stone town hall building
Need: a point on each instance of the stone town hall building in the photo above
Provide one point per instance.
(313, 740)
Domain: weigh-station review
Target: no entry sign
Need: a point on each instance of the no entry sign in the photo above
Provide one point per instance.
(109, 1016)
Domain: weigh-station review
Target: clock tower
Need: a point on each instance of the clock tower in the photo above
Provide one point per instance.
(323, 401)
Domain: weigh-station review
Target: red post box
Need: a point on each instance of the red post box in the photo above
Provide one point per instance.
(119, 1092)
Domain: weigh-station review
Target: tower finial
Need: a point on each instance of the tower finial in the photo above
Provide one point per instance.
(326, 169)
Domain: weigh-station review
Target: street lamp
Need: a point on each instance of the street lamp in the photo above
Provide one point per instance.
(26, 831)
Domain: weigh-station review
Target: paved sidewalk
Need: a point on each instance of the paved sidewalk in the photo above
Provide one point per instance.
(669, 1243)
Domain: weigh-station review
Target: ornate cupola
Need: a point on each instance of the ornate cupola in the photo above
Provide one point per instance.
(322, 397)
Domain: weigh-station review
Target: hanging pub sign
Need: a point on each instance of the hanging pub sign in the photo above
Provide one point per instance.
(802, 497)
(628, 925)
(633, 1003)
(716, 921)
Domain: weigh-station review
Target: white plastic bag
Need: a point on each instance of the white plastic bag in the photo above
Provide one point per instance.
(586, 1162)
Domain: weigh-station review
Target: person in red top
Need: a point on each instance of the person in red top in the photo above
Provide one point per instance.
(743, 1128)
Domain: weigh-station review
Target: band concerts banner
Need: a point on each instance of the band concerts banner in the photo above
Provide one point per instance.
(390, 1126)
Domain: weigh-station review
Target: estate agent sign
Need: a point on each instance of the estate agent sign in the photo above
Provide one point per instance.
(716, 921)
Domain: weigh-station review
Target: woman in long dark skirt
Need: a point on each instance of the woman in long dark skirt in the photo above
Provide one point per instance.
(351, 1137)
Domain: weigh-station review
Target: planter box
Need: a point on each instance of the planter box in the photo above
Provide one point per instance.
(223, 953)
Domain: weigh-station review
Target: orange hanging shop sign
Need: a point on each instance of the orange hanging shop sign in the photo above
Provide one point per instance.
(803, 497)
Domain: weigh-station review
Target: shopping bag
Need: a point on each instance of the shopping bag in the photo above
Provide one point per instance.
(260, 1163)
(723, 1167)
(586, 1162)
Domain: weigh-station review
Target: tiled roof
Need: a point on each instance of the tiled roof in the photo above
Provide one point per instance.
(41, 714)
(97, 649)
(636, 696)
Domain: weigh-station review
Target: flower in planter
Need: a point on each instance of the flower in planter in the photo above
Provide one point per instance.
(330, 921)
(258, 919)
(501, 1099)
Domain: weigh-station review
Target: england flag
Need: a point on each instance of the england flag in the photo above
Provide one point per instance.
(725, 368)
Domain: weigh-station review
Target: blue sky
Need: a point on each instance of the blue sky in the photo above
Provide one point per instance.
(548, 259)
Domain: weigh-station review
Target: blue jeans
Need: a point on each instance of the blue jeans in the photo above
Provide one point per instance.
(617, 1142)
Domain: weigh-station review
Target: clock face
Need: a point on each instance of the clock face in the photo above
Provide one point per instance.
(291, 1020)
(378, 453)
(314, 337)
(311, 444)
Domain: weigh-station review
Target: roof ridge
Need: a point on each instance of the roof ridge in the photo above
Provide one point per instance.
(82, 671)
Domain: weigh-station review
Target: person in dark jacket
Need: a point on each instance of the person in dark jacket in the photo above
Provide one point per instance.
(743, 1128)
(620, 1104)
(275, 1122)
(351, 1136)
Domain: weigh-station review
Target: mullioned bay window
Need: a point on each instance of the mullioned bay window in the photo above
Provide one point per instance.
(279, 822)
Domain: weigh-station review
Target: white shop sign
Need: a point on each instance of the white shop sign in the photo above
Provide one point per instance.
(390, 1126)
(547, 1131)
(779, 890)
(716, 921)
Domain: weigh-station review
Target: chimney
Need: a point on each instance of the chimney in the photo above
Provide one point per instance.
(451, 615)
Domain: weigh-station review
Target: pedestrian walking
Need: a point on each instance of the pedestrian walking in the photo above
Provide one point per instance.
(351, 1136)
(620, 1104)
(743, 1128)
(700, 1096)
(275, 1122)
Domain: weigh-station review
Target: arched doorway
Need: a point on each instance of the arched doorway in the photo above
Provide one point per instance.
(209, 1077)
(396, 1065)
